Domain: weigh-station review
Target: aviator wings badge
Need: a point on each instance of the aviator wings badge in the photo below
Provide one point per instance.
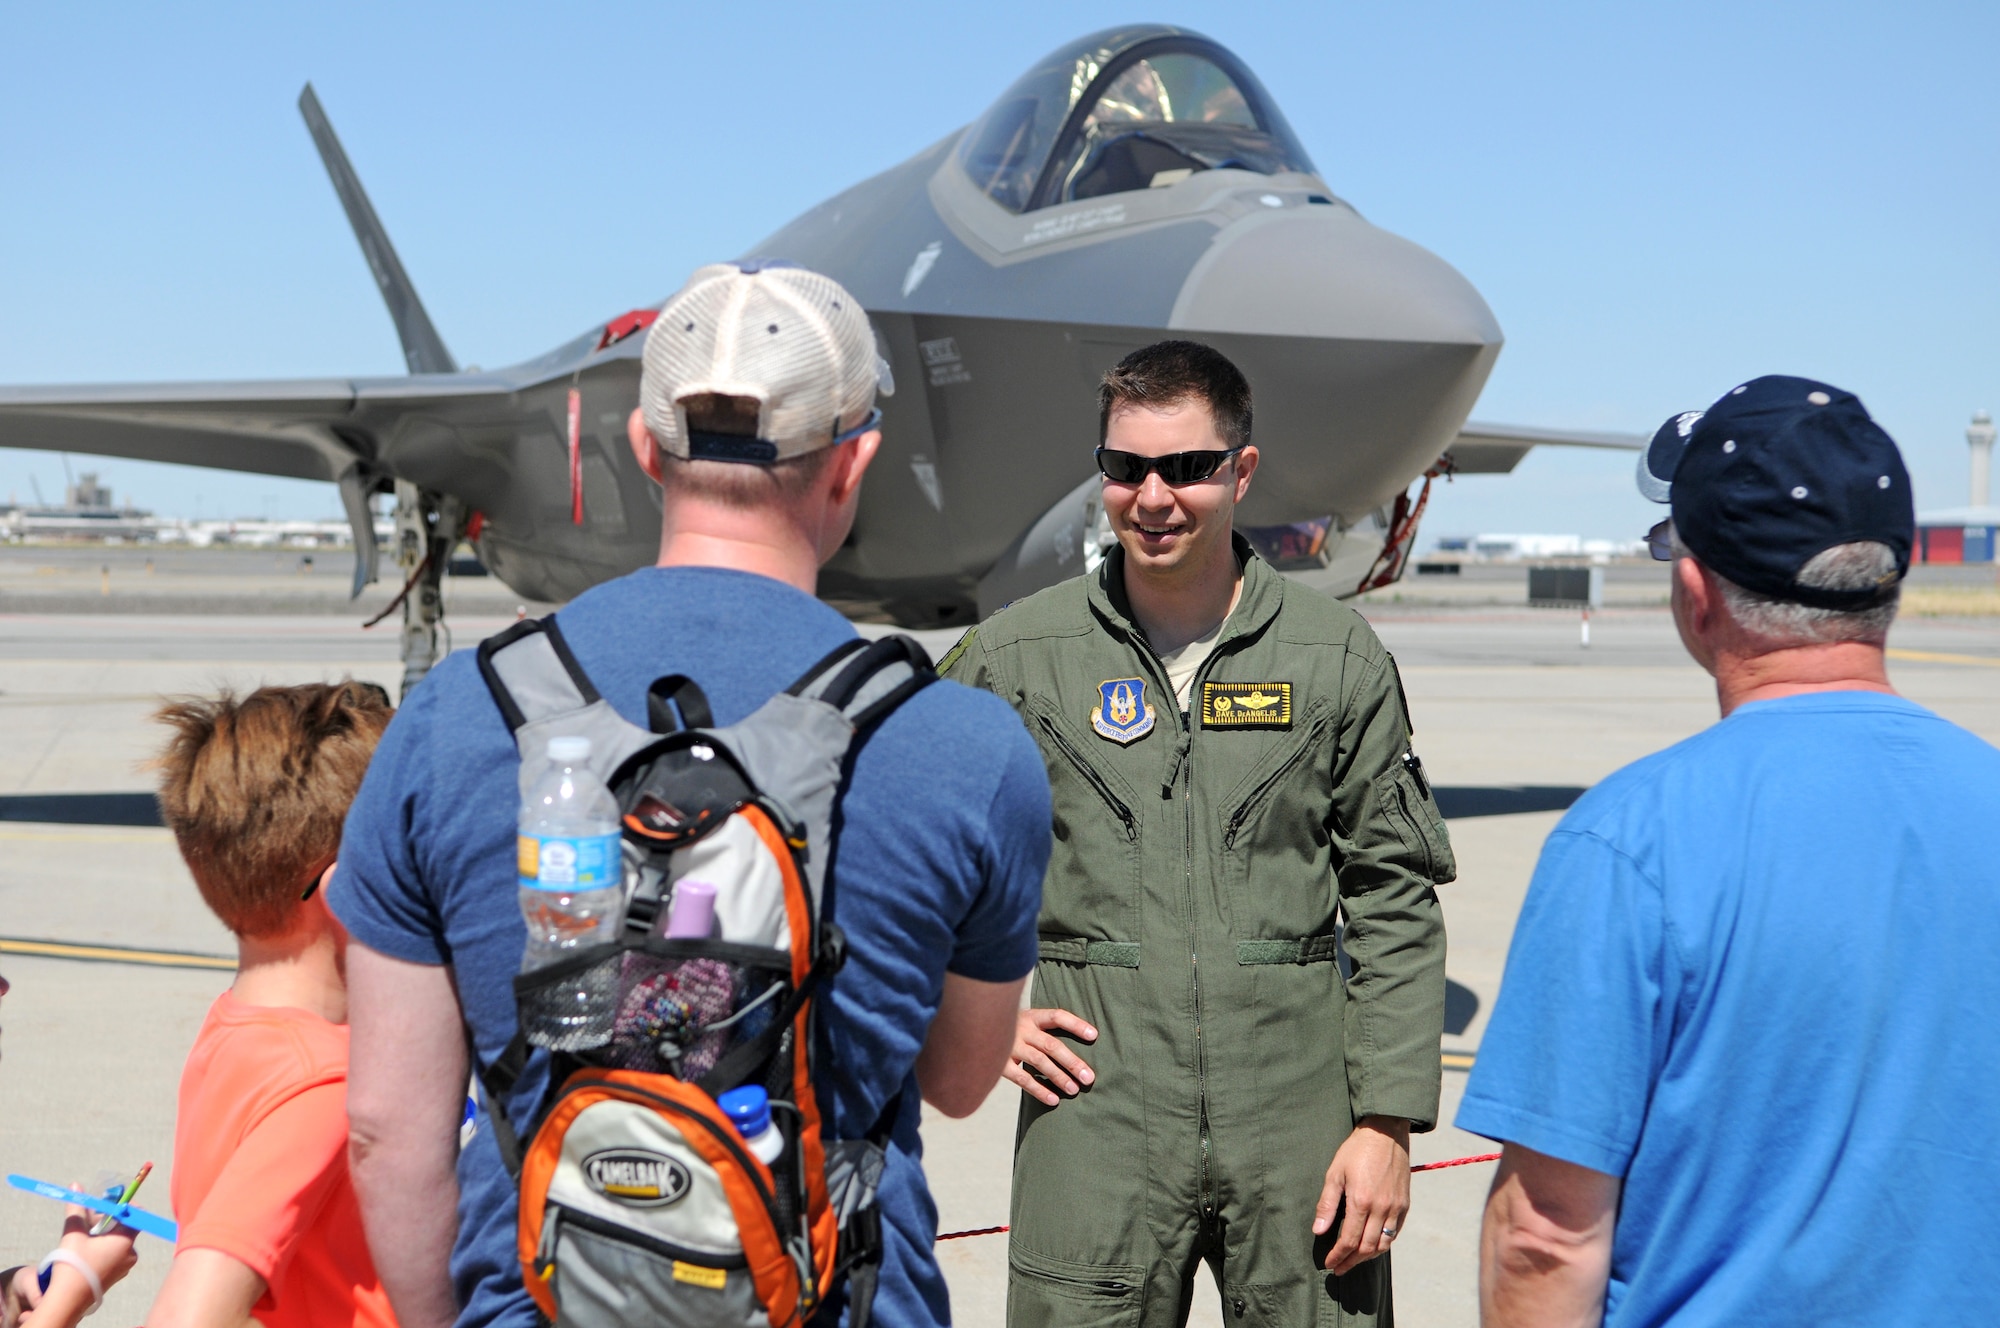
(1123, 714)
(1246, 705)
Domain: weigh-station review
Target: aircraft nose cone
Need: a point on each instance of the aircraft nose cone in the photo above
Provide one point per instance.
(1314, 270)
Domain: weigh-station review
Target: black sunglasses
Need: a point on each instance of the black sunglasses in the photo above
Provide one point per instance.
(1176, 468)
(1660, 540)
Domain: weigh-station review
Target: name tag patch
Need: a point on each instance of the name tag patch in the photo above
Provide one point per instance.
(1246, 705)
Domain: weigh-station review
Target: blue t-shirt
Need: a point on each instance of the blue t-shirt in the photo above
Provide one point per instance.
(944, 837)
(1757, 976)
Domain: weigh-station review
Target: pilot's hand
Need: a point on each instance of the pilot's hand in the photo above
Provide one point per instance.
(1372, 1173)
(1040, 1058)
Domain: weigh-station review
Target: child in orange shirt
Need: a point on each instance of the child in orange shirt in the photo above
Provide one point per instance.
(255, 791)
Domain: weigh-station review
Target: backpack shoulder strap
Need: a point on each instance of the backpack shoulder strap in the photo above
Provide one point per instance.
(532, 674)
(542, 691)
(866, 681)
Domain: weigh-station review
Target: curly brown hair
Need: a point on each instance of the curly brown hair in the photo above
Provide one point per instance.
(256, 789)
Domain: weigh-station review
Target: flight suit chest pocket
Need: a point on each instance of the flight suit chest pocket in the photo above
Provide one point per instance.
(1276, 853)
(1092, 886)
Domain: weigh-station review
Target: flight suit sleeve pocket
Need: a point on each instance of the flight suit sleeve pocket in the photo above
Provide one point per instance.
(1046, 1292)
(1418, 824)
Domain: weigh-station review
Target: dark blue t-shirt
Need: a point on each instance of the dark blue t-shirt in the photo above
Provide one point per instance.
(1755, 978)
(944, 838)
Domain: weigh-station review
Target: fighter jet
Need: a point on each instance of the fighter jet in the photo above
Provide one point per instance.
(1137, 183)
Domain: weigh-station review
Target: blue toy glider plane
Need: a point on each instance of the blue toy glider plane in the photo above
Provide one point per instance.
(124, 1213)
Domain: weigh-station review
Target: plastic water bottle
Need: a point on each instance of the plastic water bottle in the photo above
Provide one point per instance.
(572, 894)
(749, 1110)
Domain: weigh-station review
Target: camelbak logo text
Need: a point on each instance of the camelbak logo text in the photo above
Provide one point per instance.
(635, 1176)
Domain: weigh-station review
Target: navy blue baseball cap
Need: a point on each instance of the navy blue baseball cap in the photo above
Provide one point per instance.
(1775, 473)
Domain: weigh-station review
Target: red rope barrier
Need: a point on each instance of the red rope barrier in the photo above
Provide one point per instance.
(1457, 1162)
(980, 1231)
(1427, 1166)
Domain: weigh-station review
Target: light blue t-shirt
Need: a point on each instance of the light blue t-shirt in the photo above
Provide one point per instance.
(943, 837)
(1757, 976)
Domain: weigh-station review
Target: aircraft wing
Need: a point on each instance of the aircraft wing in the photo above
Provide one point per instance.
(288, 428)
(310, 428)
(1495, 449)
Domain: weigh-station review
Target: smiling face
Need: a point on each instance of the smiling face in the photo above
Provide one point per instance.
(1171, 532)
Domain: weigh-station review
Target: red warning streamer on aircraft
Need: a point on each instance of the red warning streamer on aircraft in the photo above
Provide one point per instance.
(575, 457)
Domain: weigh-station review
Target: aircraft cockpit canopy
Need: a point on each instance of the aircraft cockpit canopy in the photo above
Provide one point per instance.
(1126, 109)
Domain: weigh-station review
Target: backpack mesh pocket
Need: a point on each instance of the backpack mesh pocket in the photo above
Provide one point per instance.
(678, 1016)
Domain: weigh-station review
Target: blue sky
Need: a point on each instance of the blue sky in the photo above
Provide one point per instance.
(1658, 200)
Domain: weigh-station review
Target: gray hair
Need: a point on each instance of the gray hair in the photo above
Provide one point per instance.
(1862, 565)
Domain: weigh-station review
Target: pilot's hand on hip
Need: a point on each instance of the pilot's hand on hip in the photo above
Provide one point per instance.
(1041, 1059)
(1372, 1173)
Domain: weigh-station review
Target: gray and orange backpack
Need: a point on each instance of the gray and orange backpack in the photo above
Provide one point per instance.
(640, 1200)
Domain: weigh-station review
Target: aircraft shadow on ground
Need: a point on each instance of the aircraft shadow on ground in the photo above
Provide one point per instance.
(1455, 801)
(81, 808)
(1460, 801)
(1461, 1003)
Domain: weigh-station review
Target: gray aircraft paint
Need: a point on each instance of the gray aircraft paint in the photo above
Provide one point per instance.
(1366, 354)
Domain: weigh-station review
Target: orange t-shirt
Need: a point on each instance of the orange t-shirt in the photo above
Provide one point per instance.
(260, 1164)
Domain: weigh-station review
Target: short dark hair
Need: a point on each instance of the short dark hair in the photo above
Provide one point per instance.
(1168, 373)
(738, 484)
(256, 789)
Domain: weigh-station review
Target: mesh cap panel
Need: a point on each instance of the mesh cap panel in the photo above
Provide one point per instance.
(792, 340)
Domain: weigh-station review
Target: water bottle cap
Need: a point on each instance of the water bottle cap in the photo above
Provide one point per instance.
(569, 750)
(748, 1109)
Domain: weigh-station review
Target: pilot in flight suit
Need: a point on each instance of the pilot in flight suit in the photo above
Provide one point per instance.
(1192, 914)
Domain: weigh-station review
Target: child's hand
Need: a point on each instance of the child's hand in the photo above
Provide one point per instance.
(110, 1255)
(20, 1291)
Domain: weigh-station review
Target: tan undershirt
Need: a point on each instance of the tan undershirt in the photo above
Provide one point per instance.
(1183, 664)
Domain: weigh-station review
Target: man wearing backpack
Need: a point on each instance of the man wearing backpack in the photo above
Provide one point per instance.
(756, 416)
(1232, 772)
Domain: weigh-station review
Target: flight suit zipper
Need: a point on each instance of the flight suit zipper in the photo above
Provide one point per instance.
(1206, 1199)
(1091, 777)
(1269, 782)
(1204, 1192)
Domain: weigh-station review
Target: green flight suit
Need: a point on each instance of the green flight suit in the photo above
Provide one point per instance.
(1190, 914)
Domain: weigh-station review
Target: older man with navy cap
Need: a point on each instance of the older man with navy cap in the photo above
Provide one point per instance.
(1743, 1055)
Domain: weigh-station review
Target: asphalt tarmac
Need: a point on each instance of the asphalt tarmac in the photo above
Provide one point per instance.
(1514, 719)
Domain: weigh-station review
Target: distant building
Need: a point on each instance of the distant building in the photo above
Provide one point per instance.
(1514, 548)
(1965, 534)
(1957, 534)
(87, 513)
(88, 493)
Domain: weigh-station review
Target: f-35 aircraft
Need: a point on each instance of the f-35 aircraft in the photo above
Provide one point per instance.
(1137, 183)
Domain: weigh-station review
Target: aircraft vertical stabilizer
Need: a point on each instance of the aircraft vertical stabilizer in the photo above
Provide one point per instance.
(423, 348)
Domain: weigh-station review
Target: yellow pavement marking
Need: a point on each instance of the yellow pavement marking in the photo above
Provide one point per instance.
(1944, 657)
(114, 954)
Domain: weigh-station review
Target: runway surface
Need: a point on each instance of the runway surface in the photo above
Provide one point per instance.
(1513, 720)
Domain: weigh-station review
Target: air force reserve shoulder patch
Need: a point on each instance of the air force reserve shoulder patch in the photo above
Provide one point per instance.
(1246, 705)
(1123, 714)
